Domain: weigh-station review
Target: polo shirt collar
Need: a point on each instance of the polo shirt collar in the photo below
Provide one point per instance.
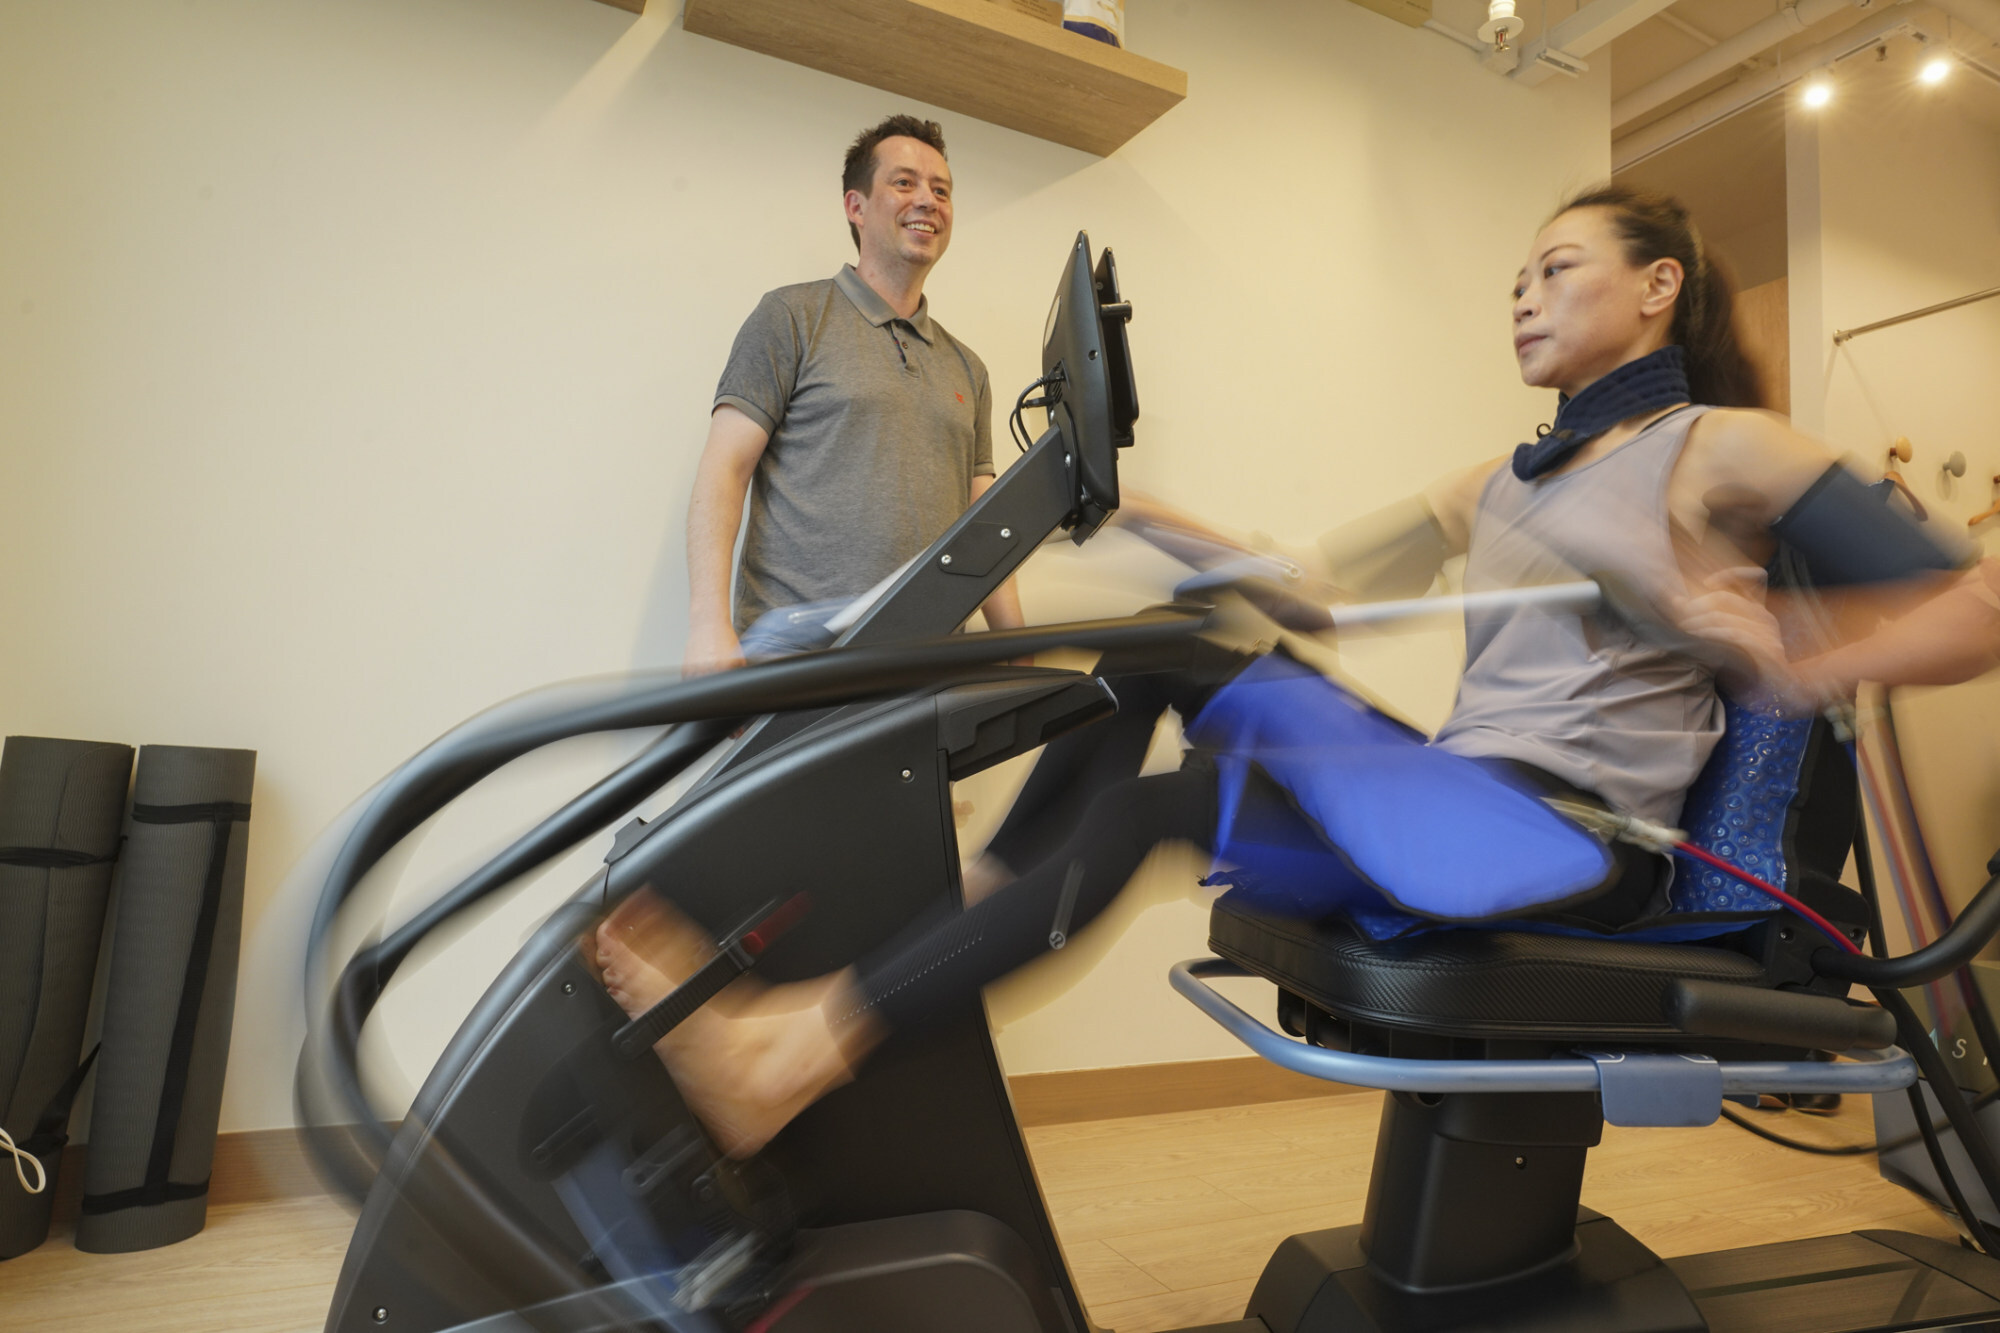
(876, 310)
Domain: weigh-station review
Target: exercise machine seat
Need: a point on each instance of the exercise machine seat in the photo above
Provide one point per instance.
(1518, 985)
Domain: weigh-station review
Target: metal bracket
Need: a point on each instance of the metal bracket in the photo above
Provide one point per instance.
(1641, 1089)
(1562, 62)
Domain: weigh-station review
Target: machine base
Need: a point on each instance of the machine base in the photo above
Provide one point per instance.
(1866, 1282)
(1320, 1282)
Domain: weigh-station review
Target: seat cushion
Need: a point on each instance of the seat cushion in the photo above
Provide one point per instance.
(1474, 983)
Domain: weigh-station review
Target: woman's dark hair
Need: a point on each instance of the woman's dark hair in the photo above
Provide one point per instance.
(1657, 226)
(857, 170)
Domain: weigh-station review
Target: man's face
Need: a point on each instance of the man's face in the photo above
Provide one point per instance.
(906, 217)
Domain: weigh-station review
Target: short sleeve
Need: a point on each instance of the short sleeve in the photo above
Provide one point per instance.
(982, 426)
(763, 366)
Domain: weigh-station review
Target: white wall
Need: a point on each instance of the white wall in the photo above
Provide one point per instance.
(1895, 205)
(354, 359)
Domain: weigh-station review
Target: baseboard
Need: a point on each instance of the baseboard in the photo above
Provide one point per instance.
(251, 1166)
(260, 1165)
(1068, 1095)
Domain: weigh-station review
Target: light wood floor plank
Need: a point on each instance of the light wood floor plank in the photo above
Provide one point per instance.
(1093, 1212)
(1167, 1219)
(256, 1268)
(1177, 1309)
(1105, 1277)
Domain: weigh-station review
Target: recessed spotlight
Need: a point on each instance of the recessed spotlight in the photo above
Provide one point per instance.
(1818, 91)
(1936, 68)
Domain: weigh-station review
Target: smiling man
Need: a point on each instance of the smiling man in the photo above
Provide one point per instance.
(859, 428)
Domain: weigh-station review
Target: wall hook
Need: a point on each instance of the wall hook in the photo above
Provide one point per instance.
(1901, 452)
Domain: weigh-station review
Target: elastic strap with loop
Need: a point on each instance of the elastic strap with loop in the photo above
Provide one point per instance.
(20, 1156)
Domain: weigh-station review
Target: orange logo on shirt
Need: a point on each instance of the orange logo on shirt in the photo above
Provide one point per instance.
(959, 396)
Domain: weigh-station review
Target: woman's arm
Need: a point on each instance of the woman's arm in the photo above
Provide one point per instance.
(1393, 552)
(1952, 637)
(1454, 501)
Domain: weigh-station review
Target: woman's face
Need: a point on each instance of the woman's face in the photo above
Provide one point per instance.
(1581, 309)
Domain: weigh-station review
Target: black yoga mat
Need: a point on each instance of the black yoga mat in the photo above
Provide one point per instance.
(61, 804)
(171, 994)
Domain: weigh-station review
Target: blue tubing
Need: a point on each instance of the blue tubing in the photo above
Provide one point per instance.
(1868, 1072)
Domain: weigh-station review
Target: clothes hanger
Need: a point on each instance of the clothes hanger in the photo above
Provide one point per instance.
(1991, 511)
(1900, 452)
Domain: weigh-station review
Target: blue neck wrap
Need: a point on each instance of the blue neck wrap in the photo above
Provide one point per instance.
(1656, 380)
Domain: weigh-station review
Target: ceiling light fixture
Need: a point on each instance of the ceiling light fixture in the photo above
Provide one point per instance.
(1818, 91)
(1936, 66)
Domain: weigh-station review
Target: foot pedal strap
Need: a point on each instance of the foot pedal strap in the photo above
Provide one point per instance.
(737, 953)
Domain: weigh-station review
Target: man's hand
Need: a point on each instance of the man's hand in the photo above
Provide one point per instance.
(711, 648)
(1729, 610)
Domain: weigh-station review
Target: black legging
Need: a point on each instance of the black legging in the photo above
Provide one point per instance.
(1085, 821)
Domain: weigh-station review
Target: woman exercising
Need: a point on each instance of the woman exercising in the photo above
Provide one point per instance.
(1656, 471)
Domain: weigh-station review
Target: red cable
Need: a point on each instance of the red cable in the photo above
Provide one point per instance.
(1831, 931)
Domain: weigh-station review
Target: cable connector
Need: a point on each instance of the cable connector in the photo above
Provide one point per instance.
(1614, 827)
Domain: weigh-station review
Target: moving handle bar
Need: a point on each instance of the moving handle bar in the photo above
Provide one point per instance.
(1585, 595)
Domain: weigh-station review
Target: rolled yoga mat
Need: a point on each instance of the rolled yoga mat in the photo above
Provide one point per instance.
(171, 995)
(61, 805)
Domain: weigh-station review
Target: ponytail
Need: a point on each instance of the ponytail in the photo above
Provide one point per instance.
(1657, 226)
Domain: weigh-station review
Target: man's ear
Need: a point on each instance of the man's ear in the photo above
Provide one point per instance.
(852, 203)
(1664, 278)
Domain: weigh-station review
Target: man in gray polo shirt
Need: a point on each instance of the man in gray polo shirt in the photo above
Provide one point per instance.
(859, 428)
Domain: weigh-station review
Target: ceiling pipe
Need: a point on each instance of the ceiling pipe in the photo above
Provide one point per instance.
(1464, 39)
(1698, 115)
(1753, 41)
(1599, 23)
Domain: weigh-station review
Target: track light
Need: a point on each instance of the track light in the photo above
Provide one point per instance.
(1936, 63)
(1818, 91)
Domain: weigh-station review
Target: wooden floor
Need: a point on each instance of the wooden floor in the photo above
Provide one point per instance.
(1167, 1219)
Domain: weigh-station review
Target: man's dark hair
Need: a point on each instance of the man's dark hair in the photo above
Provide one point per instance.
(858, 171)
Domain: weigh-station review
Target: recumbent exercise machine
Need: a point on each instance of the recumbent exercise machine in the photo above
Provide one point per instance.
(548, 1176)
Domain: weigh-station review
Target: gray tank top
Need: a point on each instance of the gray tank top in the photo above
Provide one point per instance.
(1583, 697)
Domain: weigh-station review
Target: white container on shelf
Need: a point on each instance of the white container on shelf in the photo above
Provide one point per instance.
(1100, 20)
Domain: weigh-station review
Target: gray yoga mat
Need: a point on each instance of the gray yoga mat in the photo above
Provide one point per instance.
(171, 994)
(61, 805)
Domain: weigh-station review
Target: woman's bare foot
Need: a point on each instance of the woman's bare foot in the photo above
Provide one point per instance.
(753, 1058)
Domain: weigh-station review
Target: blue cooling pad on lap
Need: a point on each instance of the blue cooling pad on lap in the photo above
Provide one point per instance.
(1401, 824)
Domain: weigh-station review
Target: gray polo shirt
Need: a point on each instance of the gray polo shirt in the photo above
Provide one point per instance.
(878, 426)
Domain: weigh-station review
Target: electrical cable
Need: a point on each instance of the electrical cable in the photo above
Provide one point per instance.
(1018, 428)
(1980, 1102)
(1918, 1043)
(1864, 865)
(1913, 914)
(1972, 997)
(1825, 927)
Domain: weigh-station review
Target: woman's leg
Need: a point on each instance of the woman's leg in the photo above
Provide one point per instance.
(1074, 769)
(926, 973)
(752, 1061)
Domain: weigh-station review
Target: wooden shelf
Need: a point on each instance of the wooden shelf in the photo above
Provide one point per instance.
(972, 56)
